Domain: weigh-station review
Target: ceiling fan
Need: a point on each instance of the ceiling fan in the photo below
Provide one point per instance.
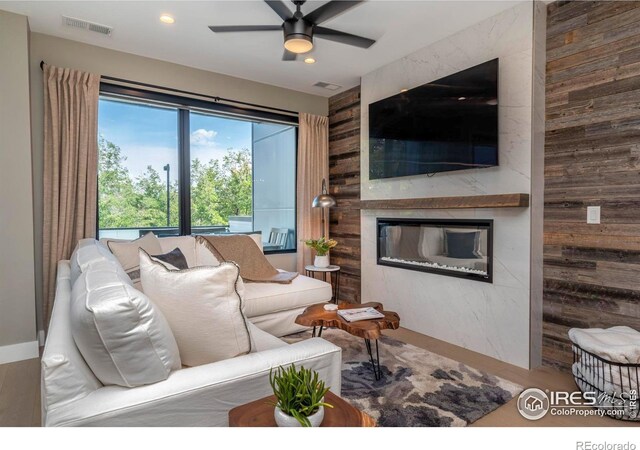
(299, 30)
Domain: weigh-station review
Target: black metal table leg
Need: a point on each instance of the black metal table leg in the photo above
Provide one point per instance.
(375, 363)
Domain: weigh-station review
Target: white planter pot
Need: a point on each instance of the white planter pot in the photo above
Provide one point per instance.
(321, 261)
(285, 420)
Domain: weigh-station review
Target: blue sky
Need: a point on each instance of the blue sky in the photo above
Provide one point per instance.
(148, 135)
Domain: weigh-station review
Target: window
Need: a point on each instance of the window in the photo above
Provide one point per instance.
(243, 178)
(137, 169)
(238, 176)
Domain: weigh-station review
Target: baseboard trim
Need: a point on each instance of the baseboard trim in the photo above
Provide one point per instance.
(19, 352)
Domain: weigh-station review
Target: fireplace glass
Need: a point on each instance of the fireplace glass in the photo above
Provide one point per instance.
(459, 248)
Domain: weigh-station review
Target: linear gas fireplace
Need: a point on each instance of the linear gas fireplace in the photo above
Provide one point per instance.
(458, 248)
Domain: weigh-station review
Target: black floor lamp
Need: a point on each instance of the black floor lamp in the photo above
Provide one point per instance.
(324, 201)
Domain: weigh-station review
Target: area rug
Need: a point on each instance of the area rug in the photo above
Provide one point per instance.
(418, 388)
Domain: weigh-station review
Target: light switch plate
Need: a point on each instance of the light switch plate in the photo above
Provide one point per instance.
(593, 214)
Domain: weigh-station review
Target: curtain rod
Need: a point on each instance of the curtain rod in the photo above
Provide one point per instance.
(214, 98)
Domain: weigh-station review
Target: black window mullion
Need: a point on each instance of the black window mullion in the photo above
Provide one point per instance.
(184, 151)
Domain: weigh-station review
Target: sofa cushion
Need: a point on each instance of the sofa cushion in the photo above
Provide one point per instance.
(265, 298)
(65, 374)
(127, 254)
(87, 253)
(204, 256)
(203, 306)
(122, 336)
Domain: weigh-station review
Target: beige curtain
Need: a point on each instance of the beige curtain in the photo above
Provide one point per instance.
(313, 166)
(70, 167)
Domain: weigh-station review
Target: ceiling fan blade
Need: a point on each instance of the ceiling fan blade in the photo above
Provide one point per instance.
(329, 10)
(289, 56)
(234, 28)
(342, 37)
(280, 9)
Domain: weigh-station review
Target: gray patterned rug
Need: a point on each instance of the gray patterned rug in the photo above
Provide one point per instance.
(418, 388)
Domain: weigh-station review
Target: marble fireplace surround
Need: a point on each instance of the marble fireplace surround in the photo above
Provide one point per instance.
(500, 319)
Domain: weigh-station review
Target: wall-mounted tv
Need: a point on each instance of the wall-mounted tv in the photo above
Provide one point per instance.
(448, 124)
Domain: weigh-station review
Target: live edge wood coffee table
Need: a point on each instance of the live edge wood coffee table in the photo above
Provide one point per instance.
(259, 413)
(370, 330)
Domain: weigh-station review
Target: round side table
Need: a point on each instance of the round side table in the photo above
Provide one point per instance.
(334, 277)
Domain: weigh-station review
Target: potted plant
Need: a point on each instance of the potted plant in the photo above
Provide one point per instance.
(299, 397)
(322, 247)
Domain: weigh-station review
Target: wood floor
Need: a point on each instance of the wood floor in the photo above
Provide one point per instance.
(20, 394)
(20, 387)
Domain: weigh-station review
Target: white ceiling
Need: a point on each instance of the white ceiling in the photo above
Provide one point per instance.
(400, 27)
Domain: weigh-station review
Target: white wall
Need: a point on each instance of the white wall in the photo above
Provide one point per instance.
(493, 319)
(17, 287)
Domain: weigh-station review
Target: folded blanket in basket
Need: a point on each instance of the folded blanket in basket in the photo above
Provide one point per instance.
(617, 396)
(605, 378)
(617, 344)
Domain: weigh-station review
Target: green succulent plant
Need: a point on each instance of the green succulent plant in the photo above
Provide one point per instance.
(299, 392)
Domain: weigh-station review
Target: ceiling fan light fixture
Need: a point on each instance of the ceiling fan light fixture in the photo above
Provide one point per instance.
(298, 43)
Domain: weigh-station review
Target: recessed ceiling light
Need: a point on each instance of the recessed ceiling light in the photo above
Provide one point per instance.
(309, 60)
(404, 90)
(166, 18)
(462, 98)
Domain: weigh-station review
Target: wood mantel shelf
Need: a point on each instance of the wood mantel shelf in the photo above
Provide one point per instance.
(473, 201)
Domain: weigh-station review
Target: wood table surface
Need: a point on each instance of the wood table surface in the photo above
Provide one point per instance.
(317, 316)
(259, 413)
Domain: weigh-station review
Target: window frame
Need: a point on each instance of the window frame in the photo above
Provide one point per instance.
(184, 106)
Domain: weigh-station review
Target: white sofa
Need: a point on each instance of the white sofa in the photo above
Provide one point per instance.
(272, 307)
(195, 396)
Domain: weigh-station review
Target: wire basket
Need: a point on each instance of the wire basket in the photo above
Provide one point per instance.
(616, 385)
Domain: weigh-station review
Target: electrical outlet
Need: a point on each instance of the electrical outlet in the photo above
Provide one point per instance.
(593, 214)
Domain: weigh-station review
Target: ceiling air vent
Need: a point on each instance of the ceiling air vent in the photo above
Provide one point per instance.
(86, 25)
(330, 86)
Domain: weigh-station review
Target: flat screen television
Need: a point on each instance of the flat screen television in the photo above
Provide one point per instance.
(448, 124)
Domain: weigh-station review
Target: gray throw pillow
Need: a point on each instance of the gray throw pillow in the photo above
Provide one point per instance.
(175, 258)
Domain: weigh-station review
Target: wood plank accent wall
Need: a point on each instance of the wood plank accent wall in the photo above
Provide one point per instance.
(592, 157)
(344, 185)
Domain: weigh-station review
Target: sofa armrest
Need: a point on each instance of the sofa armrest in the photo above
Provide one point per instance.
(198, 396)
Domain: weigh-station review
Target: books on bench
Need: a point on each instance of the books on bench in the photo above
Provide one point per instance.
(356, 314)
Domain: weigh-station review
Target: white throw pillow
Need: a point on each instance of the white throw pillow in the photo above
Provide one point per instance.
(203, 306)
(122, 336)
(127, 254)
